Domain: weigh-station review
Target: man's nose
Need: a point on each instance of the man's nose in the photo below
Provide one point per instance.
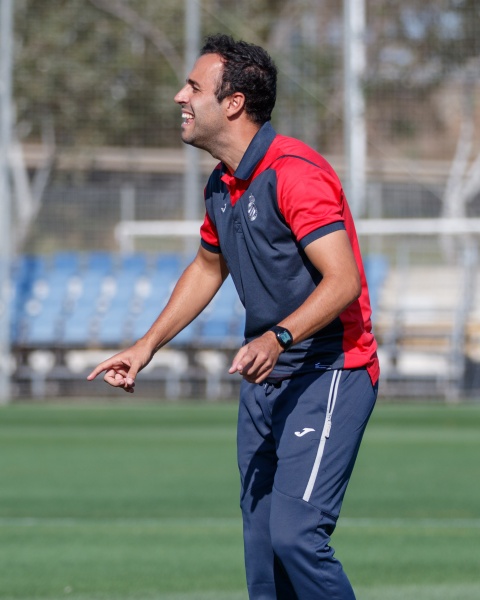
(181, 96)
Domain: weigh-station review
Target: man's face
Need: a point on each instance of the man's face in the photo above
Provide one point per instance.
(202, 114)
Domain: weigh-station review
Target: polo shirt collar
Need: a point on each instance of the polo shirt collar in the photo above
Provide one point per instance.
(256, 151)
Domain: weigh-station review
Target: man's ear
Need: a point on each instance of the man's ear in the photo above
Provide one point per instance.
(235, 104)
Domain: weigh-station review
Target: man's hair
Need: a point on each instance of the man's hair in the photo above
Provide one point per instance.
(248, 69)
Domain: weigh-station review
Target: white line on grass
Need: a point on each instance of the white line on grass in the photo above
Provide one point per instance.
(421, 522)
(120, 521)
(214, 522)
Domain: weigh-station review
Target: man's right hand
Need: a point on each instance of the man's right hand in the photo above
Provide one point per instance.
(122, 368)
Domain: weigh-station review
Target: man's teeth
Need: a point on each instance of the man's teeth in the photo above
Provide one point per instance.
(186, 117)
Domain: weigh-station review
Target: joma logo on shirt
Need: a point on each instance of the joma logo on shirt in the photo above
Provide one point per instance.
(304, 431)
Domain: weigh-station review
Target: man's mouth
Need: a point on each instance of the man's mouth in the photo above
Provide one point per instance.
(187, 118)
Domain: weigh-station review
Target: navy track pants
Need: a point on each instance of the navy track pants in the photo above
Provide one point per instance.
(297, 444)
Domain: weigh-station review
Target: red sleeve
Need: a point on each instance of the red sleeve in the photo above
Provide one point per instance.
(209, 234)
(310, 197)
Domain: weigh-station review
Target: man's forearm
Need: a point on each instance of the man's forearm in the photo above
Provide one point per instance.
(340, 286)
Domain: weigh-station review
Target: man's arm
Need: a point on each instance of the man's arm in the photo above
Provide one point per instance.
(194, 290)
(333, 257)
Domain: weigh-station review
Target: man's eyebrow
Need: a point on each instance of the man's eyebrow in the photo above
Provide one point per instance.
(193, 83)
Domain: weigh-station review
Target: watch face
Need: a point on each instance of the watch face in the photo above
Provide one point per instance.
(284, 337)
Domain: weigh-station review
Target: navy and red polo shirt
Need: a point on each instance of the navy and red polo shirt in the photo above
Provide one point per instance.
(282, 197)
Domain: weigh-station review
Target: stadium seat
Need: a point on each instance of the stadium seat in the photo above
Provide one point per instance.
(31, 266)
(77, 326)
(100, 262)
(66, 262)
(169, 264)
(134, 264)
(142, 321)
(76, 334)
(90, 286)
(218, 324)
(161, 285)
(112, 329)
(41, 330)
(216, 332)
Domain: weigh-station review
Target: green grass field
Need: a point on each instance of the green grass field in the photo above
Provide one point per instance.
(114, 502)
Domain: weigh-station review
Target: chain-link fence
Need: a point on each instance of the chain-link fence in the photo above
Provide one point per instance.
(94, 83)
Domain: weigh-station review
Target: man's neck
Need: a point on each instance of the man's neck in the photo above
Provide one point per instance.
(232, 150)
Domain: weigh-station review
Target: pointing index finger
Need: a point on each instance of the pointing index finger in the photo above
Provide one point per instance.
(103, 366)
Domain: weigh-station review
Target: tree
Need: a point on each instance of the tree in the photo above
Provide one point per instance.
(414, 48)
(100, 79)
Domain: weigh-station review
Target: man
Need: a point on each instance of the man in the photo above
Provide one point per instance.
(278, 222)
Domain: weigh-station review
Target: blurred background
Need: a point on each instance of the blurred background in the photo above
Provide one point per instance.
(101, 202)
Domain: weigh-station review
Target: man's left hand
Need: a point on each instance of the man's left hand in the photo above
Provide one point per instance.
(255, 360)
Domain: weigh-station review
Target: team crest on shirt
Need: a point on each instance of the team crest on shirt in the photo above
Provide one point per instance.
(252, 208)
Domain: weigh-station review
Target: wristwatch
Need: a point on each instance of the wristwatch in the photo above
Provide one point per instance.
(284, 337)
